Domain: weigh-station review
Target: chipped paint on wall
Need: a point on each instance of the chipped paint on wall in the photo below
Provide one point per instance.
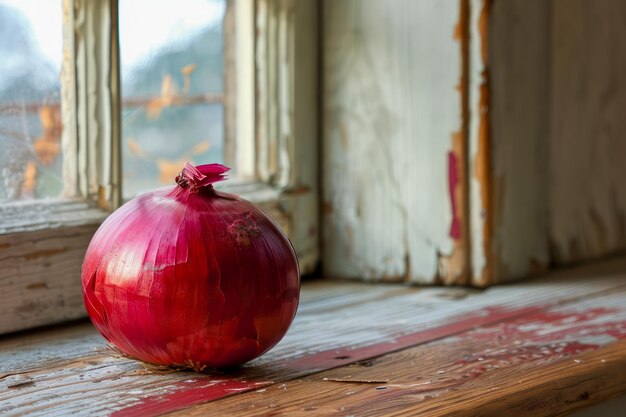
(480, 182)
(386, 162)
(455, 268)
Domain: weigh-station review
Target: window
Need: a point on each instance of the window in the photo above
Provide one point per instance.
(172, 69)
(118, 94)
(30, 118)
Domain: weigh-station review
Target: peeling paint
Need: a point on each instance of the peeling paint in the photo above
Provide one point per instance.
(453, 184)
(386, 164)
(454, 268)
(483, 170)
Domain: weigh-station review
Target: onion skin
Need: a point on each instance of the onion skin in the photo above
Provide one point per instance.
(186, 276)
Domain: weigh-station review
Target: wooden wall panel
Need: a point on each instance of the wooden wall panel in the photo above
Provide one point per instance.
(587, 169)
(539, 113)
(508, 130)
(393, 163)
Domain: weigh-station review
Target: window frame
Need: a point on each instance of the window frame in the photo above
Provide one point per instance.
(42, 244)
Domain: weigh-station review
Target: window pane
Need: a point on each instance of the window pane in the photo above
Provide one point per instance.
(172, 84)
(31, 43)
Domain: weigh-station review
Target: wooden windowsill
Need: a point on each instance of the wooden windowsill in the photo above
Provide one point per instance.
(545, 346)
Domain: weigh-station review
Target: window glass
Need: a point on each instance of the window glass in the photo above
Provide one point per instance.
(172, 83)
(31, 47)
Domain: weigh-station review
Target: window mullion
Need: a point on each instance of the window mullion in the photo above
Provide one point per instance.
(286, 115)
(98, 101)
(69, 138)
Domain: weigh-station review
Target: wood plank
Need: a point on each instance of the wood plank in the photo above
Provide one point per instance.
(547, 363)
(40, 276)
(32, 216)
(509, 55)
(58, 372)
(587, 198)
(393, 142)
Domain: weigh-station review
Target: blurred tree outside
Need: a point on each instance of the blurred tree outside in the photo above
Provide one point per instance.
(171, 94)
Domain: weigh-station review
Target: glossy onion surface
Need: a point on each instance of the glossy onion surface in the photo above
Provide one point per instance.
(190, 277)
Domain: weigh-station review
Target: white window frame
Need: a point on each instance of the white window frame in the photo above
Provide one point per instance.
(276, 151)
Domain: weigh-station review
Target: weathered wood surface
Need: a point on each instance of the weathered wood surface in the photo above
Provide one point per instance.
(508, 331)
(40, 276)
(587, 196)
(285, 143)
(393, 142)
(534, 176)
(42, 251)
(508, 92)
(547, 363)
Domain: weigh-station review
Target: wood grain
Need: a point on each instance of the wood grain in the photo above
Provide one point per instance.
(62, 371)
(40, 276)
(286, 129)
(547, 363)
(393, 140)
(587, 198)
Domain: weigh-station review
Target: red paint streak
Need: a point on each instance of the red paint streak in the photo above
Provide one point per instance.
(543, 336)
(515, 354)
(502, 327)
(345, 355)
(189, 394)
(202, 391)
(453, 182)
(548, 326)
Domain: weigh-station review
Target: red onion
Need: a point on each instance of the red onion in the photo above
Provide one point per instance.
(188, 276)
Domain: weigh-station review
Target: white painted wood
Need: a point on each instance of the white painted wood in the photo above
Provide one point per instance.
(28, 216)
(286, 116)
(478, 141)
(244, 89)
(98, 103)
(509, 56)
(69, 135)
(392, 104)
(587, 147)
(40, 276)
(301, 196)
